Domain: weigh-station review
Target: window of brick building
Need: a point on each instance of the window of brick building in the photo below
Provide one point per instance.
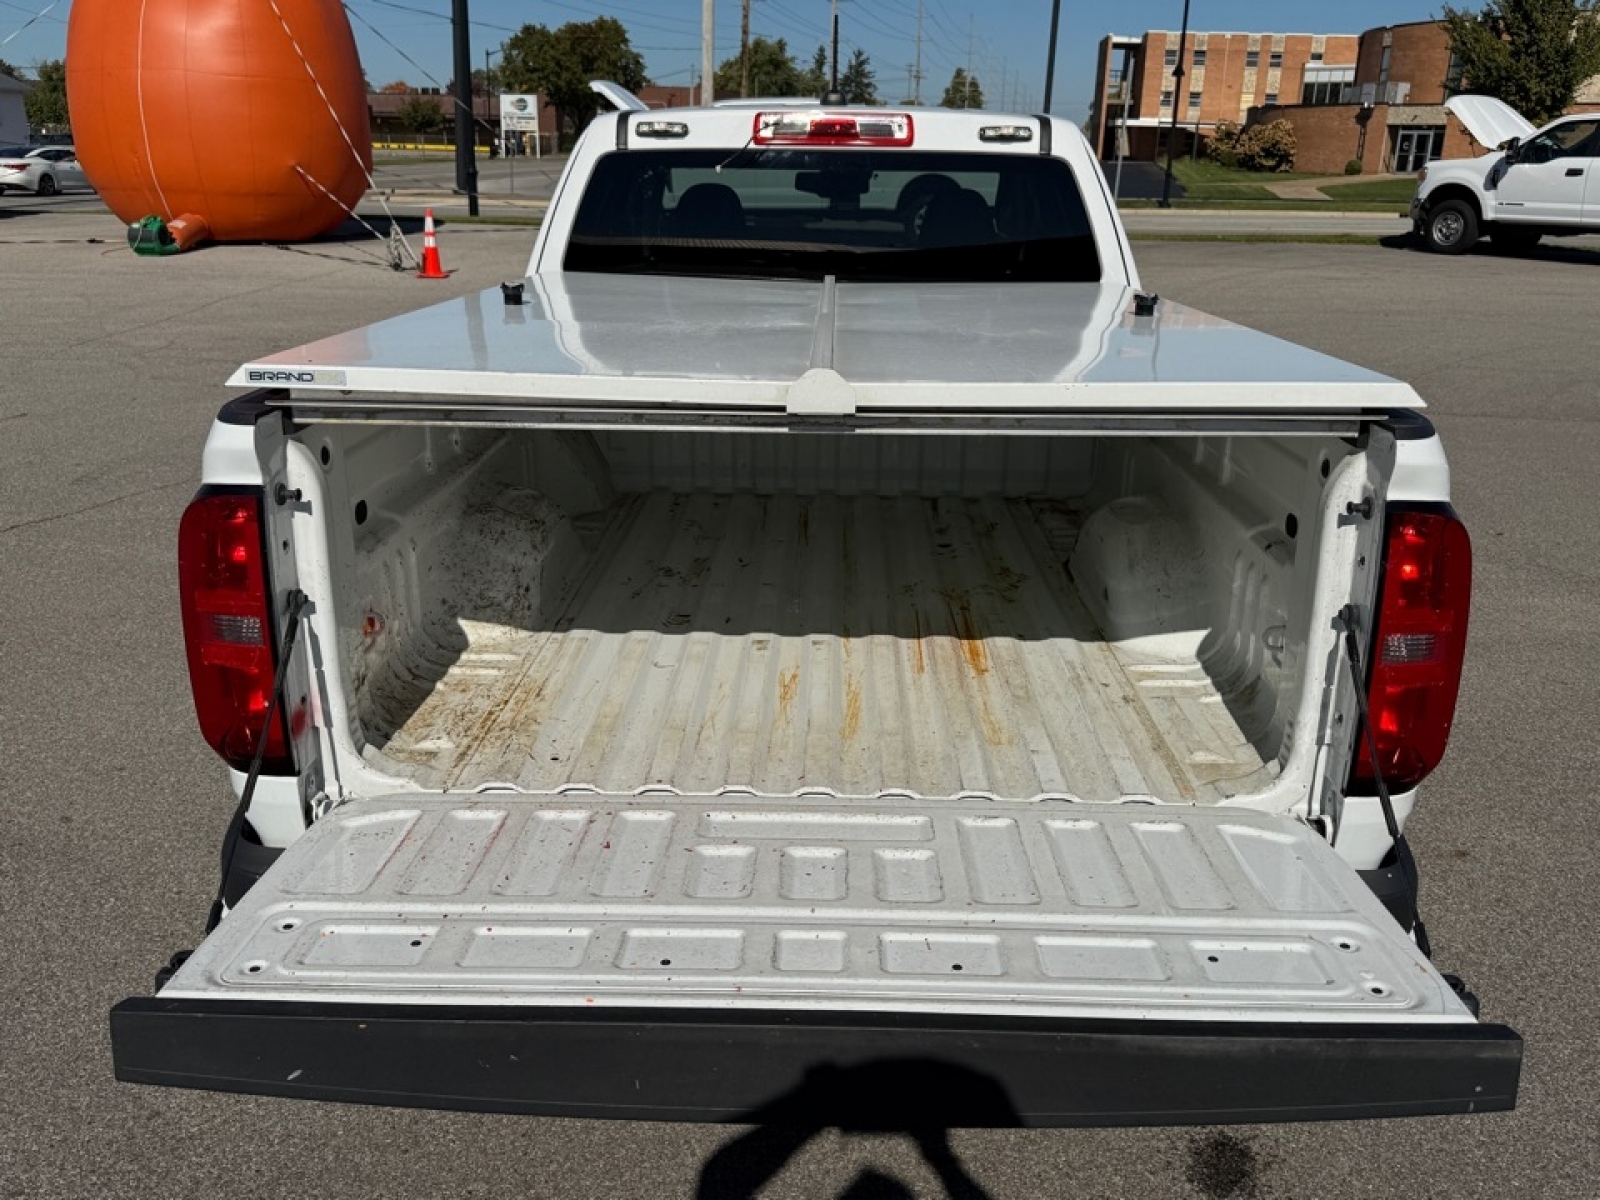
(1172, 59)
(1325, 85)
(1252, 59)
(1166, 99)
(1198, 58)
(1272, 98)
(1276, 59)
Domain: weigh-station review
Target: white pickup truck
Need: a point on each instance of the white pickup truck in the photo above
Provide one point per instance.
(825, 615)
(1533, 183)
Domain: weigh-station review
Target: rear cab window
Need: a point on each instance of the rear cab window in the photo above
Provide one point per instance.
(805, 213)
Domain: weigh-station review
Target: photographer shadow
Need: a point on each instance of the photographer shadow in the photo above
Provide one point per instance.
(918, 1098)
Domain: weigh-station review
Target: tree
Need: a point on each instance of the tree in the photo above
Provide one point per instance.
(773, 71)
(1532, 54)
(46, 103)
(480, 84)
(814, 80)
(397, 88)
(559, 64)
(421, 114)
(964, 91)
(858, 81)
(7, 69)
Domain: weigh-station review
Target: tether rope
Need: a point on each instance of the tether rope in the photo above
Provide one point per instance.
(372, 184)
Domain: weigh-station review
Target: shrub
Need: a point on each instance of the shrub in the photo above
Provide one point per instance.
(1223, 147)
(1354, 167)
(1269, 147)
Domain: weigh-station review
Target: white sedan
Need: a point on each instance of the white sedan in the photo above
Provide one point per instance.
(43, 170)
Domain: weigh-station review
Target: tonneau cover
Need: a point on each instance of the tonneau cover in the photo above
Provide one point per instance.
(825, 349)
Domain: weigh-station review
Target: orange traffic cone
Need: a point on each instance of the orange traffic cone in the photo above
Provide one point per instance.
(431, 267)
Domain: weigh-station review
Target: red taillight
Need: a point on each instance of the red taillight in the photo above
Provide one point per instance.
(227, 624)
(834, 127)
(1425, 590)
(799, 127)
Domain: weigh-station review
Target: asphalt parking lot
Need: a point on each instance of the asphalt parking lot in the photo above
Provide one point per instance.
(111, 810)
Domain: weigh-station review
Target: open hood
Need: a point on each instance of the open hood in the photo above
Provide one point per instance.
(1492, 122)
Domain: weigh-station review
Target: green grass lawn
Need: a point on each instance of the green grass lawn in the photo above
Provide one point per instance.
(1210, 185)
(1204, 173)
(1379, 191)
(1210, 181)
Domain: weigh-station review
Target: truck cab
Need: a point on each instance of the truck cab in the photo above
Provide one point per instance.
(1536, 183)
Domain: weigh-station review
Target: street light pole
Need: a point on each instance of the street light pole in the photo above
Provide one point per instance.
(466, 155)
(489, 95)
(1177, 95)
(708, 65)
(1050, 65)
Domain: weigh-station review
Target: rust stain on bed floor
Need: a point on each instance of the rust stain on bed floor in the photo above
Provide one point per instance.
(788, 688)
(852, 710)
(970, 637)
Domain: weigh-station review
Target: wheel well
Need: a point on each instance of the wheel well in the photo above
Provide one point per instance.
(1454, 191)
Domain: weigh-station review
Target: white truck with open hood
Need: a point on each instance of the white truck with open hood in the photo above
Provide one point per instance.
(1532, 183)
(826, 614)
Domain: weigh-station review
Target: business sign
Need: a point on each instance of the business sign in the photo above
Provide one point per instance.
(519, 113)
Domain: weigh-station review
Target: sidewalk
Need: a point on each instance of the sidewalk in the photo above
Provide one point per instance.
(1312, 189)
(1245, 223)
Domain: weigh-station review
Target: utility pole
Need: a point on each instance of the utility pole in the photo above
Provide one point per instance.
(708, 65)
(744, 51)
(966, 95)
(466, 155)
(1050, 64)
(1178, 98)
(916, 91)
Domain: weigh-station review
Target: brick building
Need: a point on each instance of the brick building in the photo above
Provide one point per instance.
(1225, 75)
(1377, 98)
(1391, 117)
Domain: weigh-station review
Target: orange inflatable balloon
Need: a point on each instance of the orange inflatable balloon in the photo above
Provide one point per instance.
(250, 115)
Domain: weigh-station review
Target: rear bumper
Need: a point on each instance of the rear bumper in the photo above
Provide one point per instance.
(847, 1070)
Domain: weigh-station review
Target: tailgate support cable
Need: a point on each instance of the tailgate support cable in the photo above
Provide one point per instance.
(296, 602)
(1348, 618)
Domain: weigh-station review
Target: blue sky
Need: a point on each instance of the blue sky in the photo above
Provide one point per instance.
(1007, 38)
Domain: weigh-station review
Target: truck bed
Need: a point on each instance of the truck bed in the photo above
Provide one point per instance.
(861, 646)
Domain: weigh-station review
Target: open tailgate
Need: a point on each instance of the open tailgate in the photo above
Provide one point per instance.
(715, 958)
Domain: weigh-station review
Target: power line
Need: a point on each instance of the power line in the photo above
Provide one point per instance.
(31, 20)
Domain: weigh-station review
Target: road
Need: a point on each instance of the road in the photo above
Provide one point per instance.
(407, 185)
(112, 809)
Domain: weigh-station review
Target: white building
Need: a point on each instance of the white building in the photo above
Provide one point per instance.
(13, 120)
